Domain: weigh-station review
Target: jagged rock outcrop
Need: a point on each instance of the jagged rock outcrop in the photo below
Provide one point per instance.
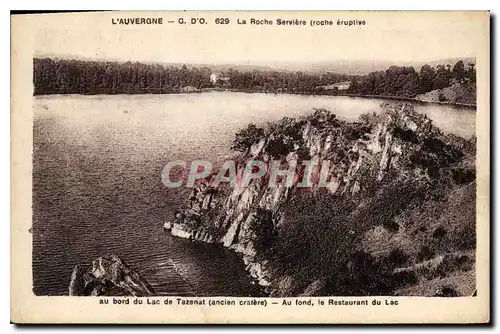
(109, 275)
(383, 167)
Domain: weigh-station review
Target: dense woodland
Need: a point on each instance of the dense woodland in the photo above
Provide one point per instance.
(95, 77)
(289, 82)
(406, 82)
(92, 77)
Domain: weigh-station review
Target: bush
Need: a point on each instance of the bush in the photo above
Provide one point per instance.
(369, 276)
(446, 291)
(245, 138)
(425, 253)
(285, 137)
(405, 134)
(452, 263)
(263, 226)
(396, 258)
(463, 175)
(277, 148)
(439, 233)
(391, 225)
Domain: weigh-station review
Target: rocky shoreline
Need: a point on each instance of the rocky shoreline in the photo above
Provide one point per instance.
(430, 97)
(255, 269)
(396, 147)
(108, 275)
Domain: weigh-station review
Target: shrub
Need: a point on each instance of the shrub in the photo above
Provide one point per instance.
(446, 291)
(391, 225)
(451, 263)
(245, 138)
(263, 226)
(463, 175)
(369, 276)
(277, 148)
(439, 233)
(405, 134)
(396, 258)
(425, 253)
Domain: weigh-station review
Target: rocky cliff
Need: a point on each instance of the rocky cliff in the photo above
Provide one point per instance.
(110, 276)
(397, 216)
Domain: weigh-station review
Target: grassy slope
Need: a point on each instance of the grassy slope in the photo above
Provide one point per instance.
(438, 239)
(457, 93)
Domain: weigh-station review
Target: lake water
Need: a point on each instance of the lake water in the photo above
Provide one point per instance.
(97, 187)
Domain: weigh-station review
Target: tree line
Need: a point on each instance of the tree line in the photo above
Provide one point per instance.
(284, 81)
(60, 76)
(92, 77)
(406, 82)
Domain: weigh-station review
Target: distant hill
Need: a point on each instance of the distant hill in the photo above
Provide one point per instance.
(434, 63)
(351, 67)
(361, 67)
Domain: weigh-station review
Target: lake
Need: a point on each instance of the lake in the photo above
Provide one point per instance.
(97, 189)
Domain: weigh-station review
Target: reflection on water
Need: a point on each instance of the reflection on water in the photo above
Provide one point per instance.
(97, 179)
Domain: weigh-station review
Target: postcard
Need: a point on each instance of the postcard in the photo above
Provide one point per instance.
(250, 167)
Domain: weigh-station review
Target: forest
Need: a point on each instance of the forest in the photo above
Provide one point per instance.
(94, 77)
(408, 83)
(61, 76)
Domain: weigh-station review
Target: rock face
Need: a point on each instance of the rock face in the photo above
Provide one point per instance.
(109, 275)
(394, 153)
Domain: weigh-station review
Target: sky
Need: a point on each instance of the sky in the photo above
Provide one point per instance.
(390, 36)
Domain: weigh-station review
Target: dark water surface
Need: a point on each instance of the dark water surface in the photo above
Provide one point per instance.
(97, 180)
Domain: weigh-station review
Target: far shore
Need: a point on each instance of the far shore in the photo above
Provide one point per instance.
(382, 97)
(216, 89)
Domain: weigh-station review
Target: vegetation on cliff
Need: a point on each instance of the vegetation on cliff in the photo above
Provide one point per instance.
(398, 216)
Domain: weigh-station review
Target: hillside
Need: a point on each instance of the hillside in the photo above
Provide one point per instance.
(397, 216)
(341, 66)
(455, 94)
(360, 67)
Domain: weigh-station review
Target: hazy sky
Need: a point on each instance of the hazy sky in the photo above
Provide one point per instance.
(392, 36)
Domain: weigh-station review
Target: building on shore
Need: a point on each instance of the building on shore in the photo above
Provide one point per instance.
(219, 79)
(339, 86)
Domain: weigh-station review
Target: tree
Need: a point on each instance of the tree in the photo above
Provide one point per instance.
(471, 72)
(427, 76)
(245, 138)
(459, 70)
(442, 78)
(354, 87)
